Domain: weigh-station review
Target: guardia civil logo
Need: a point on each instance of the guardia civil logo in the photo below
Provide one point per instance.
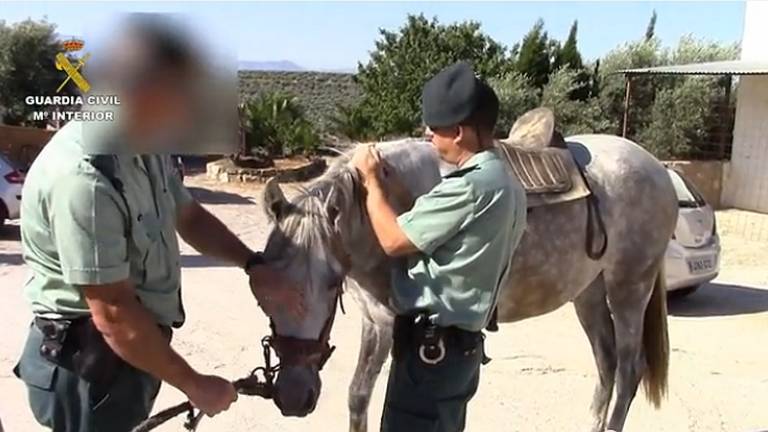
(65, 107)
(72, 71)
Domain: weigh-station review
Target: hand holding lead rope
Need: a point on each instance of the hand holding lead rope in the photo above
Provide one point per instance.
(252, 385)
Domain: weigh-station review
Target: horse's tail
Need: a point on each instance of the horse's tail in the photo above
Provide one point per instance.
(656, 342)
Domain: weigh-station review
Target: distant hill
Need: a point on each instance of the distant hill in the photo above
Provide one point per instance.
(280, 65)
(318, 92)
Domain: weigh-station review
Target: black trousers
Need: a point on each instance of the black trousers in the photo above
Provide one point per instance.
(430, 398)
(63, 402)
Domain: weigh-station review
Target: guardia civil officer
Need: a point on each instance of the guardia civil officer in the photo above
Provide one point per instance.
(456, 243)
(99, 235)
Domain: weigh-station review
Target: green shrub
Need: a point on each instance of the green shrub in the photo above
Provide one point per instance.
(353, 122)
(516, 96)
(276, 126)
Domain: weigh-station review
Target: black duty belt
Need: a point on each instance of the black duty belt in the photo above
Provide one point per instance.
(78, 345)
(420, 332)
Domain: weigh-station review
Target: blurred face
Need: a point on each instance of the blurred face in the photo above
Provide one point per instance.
(453, 143)
(159, 112)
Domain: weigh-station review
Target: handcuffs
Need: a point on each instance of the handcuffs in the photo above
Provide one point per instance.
(432, 348)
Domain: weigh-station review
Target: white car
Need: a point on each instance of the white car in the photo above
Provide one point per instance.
(693, 254)
(11, 181)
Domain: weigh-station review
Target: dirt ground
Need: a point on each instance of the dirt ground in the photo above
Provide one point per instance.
(542, 374)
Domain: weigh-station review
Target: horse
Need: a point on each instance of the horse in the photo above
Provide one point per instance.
(322, 237)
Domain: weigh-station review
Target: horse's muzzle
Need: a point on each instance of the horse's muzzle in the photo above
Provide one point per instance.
(297, 390)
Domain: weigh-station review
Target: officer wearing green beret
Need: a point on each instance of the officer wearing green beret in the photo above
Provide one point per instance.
(99, 235)
(457, 242)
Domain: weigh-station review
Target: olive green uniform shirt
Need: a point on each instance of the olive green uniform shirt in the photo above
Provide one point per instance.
(466, 229)
(76, 229)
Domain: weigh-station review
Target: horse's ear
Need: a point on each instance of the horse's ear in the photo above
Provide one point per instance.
(275, 203)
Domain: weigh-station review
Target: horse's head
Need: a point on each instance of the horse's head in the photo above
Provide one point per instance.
(307, 244)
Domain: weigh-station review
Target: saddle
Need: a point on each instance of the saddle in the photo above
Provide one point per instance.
(539, 156)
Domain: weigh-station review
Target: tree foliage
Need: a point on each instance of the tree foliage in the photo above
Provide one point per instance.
(27, 67)
(352, 123)
(516, 96)
(535, 56)
(677, 119)
(669, 115)
(404, 60)
(650, 31)
(573, 116)
(276, 126)
(655, 100)
(569, 56)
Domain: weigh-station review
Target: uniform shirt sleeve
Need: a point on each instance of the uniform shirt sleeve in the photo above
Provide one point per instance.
(89, 229)
(180, 193)
(439, 215)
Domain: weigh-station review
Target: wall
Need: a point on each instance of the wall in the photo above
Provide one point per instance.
(746, 186)
(753, 45)
(22, 144)
(706, 176)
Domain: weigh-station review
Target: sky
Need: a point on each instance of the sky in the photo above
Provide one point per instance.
(326, 35)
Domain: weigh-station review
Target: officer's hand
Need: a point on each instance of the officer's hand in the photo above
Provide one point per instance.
(275, 292)
(367, 160)
(211, 394)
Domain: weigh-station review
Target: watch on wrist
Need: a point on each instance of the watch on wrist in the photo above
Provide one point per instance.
(257, 258)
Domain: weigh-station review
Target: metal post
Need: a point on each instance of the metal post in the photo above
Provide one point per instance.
(627, 97)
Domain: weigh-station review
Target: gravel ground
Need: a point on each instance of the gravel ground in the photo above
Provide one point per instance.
(542, 374)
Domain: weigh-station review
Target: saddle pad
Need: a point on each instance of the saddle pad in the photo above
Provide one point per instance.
(549, 175)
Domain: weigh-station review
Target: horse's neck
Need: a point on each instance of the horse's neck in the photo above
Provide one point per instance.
(415, 163)
(417, 168)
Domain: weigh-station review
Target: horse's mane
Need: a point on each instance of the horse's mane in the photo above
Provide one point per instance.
(308, 219)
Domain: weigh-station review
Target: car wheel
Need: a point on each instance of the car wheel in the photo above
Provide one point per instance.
(683, 292)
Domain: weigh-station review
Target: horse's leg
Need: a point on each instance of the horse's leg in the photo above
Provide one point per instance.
(595, 317)
(374, 349)
(628, 300)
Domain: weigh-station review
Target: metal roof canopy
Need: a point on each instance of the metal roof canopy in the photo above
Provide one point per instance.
(730, 67)
(726, 68)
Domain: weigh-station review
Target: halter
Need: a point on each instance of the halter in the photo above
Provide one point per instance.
(294, 351)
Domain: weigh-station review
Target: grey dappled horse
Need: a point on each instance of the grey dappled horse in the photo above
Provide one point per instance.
(323, 235)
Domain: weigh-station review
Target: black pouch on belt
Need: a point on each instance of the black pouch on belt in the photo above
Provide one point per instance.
(79, 345)
(94, 361)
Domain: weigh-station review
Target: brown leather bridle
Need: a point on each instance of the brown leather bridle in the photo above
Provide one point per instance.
(294, 351)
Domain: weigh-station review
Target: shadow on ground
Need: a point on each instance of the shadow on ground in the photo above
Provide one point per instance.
(200, 261)
(207, 196)
(717, 299)
(10, 232)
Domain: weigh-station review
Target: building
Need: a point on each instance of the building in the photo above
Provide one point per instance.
(746, 178)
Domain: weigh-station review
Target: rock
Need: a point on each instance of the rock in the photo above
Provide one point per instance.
(225, 171)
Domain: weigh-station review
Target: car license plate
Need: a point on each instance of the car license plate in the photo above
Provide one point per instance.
(701, 265)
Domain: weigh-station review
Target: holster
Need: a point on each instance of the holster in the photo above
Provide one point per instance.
(79, 345)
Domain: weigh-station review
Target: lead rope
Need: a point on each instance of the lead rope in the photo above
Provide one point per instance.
(252, 385)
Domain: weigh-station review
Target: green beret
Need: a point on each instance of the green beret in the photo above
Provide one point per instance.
(453, 95)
